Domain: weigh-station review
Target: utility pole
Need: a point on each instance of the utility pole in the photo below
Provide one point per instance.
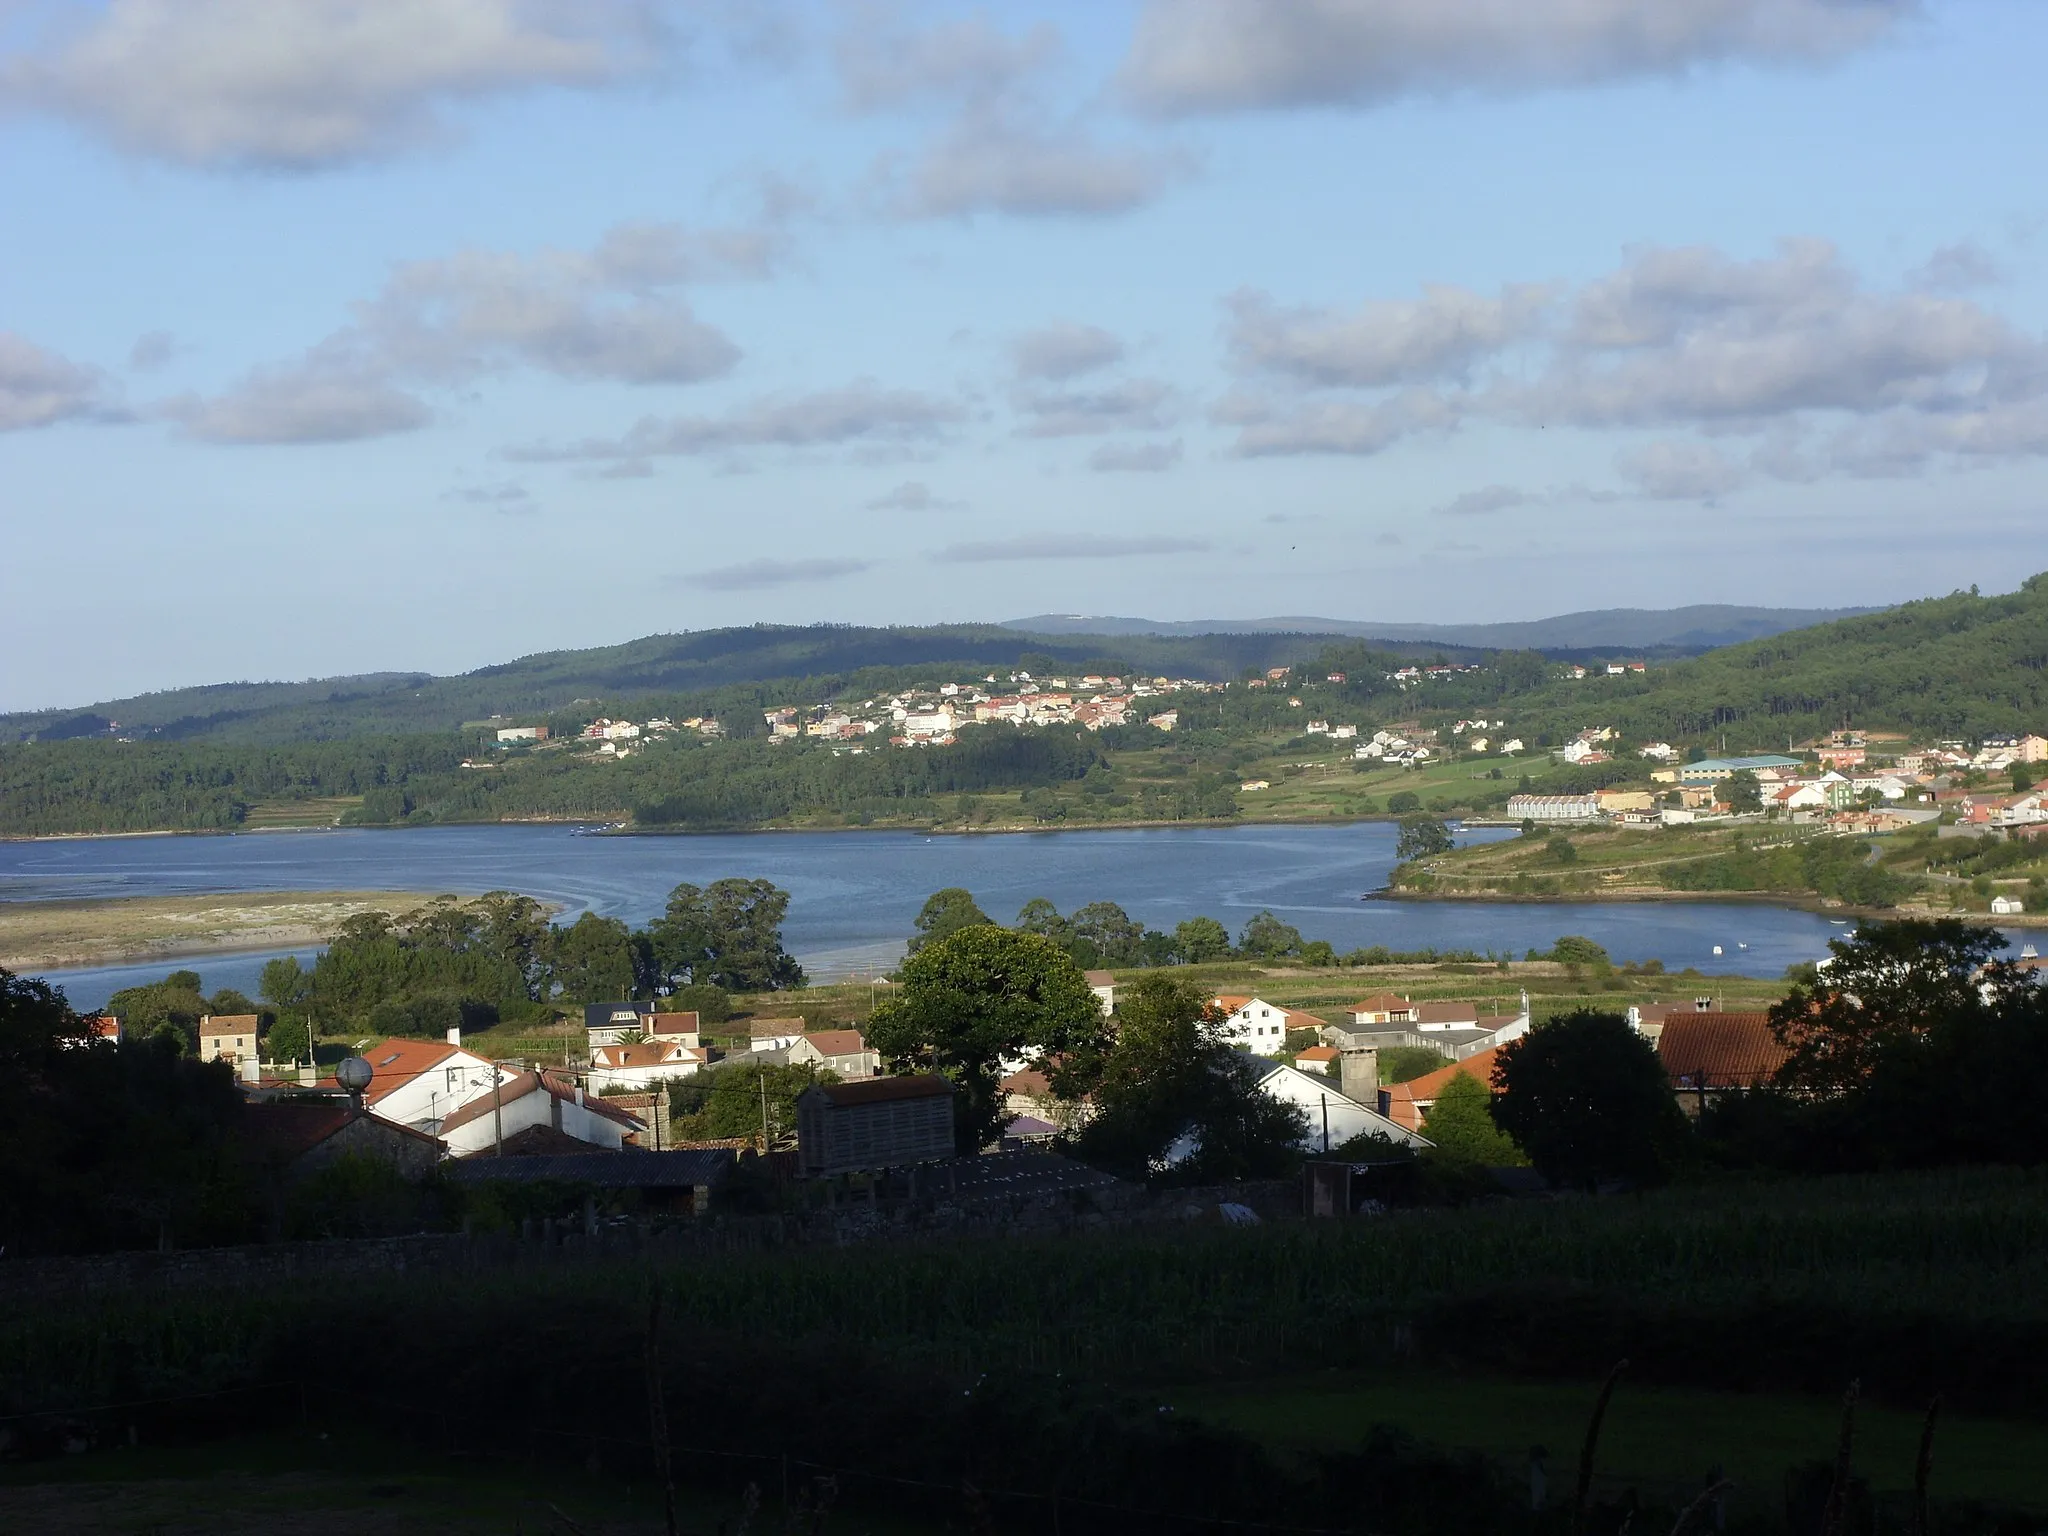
(498, 1108)
(762, 1078)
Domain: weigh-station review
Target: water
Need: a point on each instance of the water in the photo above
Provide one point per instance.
(854, 895)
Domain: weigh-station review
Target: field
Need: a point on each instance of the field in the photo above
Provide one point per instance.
(34, 934)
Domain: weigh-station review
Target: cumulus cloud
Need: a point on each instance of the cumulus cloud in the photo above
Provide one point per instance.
(1005, 144)
(609, 313)
(1138, 458)
(912, 496)
(1196, 56)
(1067, 547)
(152, 350)
(1790, 349)
(1679, 470)
(1064, 350)
(1133, 405)
(505, 496)
(1956, 269)
(860, 412)
(39, 389)
(753, 574)
(315, 83)
(1440, 335)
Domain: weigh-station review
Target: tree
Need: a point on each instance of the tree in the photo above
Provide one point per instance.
(1402, 801)
(1200, 938)
(726, 1101)
(288, 1039)
(968, 1001)
(728, 933)
(1888, 990)
(712, 1005)
(1109, 931)
(1171, 1083)
(1587, 1098)
(228, 1000)
(1577, 949)
(1460, 1126)
(1422, 837)
(1742, 793)
(593, 960)
(285, 984)
(1403, 1063)
(1041, 917)
(1265, 937)
(944, 914)
(2022, 777)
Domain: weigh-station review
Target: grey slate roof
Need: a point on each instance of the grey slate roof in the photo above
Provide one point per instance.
(606, 1170)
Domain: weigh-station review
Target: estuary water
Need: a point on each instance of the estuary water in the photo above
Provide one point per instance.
(854, 895)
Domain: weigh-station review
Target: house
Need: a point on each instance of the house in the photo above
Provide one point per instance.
(775, 1034)
(1553, 808)
(1706, 1052)
(512, 733)
(1252, 1024)
(1713, 770)
(1103, 985)
(229, 1037)
(529, 1101)
(417, 1082)
(613, 1023)
(109, 1028)
(1333, 1119)
(290, 1138)
(2007, 906)
(1615, 802)
(638, 1065)
(1408, 1104)
(1382, 1008)
(882, 1122)
(836, 1050)
(1317, 1058)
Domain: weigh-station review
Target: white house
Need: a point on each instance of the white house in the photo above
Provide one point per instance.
(633, 1065)
(1332, 1118)
(836, 1050)
(1103, 985)
(1252, 1024)
(417, 1082)
(617, 1023)
(2007, 906)
(527, 1101)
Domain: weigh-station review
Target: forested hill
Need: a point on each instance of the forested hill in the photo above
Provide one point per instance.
(1960, 666)
(827, 658)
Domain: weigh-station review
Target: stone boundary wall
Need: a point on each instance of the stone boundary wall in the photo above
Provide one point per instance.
(855, 1220)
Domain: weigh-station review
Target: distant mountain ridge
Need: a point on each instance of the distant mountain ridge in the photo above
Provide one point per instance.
(1701, 626)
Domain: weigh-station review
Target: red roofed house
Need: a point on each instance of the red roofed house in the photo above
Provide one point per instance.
(1408, 1104)
(1382, 1008)
(1706, 1053)
(1103, 985)
(1317, 1058)
(836, 1050)
(643, 1065)
(420, 1082)
(229, 1037)
(530, 1101)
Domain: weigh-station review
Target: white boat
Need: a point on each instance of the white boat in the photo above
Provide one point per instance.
(1717, 949)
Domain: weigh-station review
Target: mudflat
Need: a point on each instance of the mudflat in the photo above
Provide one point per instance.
(37, 935)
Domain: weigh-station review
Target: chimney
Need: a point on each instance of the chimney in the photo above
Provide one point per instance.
(1703, 1005)
(1358, 1075)
(455, 1035)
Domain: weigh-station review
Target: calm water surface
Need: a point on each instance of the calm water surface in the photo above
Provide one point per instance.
(854, 895)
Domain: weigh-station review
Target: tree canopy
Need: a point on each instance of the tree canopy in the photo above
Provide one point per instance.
(944, 914)
(1588, 1099)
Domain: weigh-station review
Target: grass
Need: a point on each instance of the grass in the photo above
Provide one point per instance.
(1661, 1438)
(275, 815)
(34, 934)
(1604, 862)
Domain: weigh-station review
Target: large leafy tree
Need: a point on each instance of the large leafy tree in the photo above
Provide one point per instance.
(1887, 992)
(1200, 938)
(1588, 1099)
(1460, 1126)
(971, 1000)
(1265, 937)
(1109, 931)
(1169, 1083)
(598, 959)
(1742, 792)
(944, 914)
(729, 934)
(1422, 837)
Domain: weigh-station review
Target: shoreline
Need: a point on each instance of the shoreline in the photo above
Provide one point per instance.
(1819, 905)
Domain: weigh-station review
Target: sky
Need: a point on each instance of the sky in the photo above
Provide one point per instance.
(339, 337)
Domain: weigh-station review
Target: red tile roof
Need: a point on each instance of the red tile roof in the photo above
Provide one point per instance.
(1296, 1019)
(1446, 1013)
(1100, 978)
(1030, 1081)
(1318, 1053)
(281, 1130)
(674, 1024)
(837, 1042)
(1381, 1002)
(1719, 1050)
(519, 1084)
(394, 1063)
(1408, 1102)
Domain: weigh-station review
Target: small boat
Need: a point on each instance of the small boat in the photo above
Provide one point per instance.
(1717, 949)
(1740, 945)
(1839, 922)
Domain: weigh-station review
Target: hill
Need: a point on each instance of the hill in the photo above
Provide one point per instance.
(1700, 627)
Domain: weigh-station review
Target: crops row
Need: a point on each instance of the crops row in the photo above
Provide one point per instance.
(1964, 1245)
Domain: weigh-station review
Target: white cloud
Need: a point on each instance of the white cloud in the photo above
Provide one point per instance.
(605, 314)
(39, 389)
(1138, 458)
(1487, 499)
(506, 496)
(1194, 56)
(1134, 405)
(860, 412)
(306, 84)
(753, 574)
(912, 496)
(1440, 335)
(1079, 546)
(1956, 268)
(1268, 427)
(1064, 350)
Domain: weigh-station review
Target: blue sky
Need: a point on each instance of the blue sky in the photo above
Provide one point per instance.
(337, 337)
